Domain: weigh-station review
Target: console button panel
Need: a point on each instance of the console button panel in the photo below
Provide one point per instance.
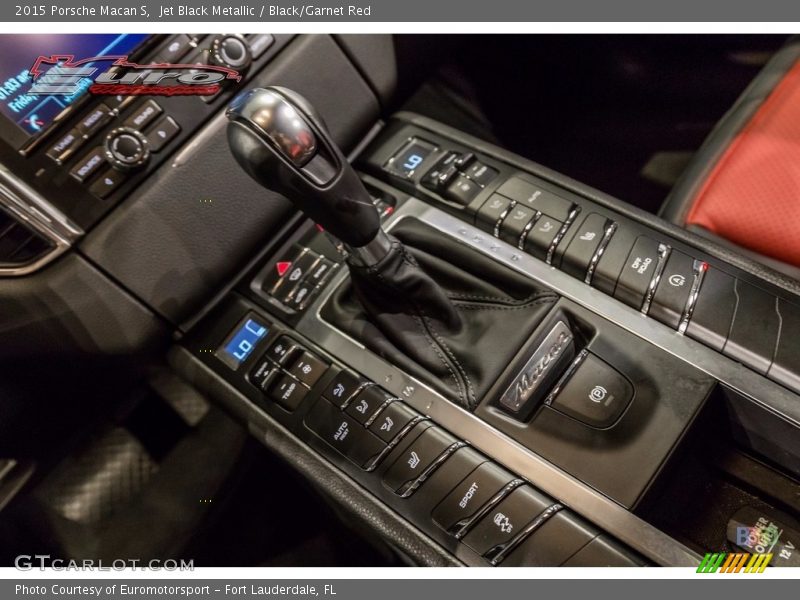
(477, 508)
(641, 268)
(459, 497)
(296, 278)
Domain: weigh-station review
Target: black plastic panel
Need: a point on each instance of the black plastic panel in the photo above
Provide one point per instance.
(185, 233)
(427, 453)
(621, 461)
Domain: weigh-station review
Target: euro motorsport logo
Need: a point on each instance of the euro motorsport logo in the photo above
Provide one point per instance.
(741, 562)
(67, 76)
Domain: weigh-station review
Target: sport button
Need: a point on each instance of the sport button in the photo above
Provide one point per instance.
(460, 505)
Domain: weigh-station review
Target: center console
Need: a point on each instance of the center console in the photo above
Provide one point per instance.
(70, 158)
(568, 456)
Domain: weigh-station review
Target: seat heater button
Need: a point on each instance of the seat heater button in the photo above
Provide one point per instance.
(464, 160)
(288, 392)
(419, 455)
(673, 289)
(584, 245)
(596, 394)
(391, 420)
(469, 496)
(504, 521)
(367, 403)
(308, 368)
(342, 432)
(431, 178)
(541, 236)
(637, 273)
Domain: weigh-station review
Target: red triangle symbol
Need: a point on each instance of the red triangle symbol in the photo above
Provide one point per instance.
(282, 267)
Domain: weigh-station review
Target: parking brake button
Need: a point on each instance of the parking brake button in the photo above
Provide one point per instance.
(597, 394)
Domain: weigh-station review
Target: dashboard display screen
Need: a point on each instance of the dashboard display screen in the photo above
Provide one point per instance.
(409, 158)
(33, 113)
(241, 341)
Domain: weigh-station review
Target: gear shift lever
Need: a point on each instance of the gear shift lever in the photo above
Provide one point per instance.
(445, 320)
(280, 140)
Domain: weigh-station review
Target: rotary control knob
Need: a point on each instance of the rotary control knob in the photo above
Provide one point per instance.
(126, 149)
(231, 50)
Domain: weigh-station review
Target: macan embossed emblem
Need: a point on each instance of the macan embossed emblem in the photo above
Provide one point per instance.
(541, 366)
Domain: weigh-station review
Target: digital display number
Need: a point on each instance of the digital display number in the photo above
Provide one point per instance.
(413, 161)
(241, 342)
(405, 162)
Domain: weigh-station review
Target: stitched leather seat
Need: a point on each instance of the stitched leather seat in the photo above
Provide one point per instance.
(742, 188)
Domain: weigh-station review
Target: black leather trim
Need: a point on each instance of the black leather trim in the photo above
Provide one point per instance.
(440, 311)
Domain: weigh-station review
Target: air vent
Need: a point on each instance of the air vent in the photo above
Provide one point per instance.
(32, 231)
(20, 244)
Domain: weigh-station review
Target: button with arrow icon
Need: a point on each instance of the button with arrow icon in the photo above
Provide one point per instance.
(161, 133)
(107, 183)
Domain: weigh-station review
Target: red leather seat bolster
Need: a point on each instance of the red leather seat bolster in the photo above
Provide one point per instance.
(752, 196)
